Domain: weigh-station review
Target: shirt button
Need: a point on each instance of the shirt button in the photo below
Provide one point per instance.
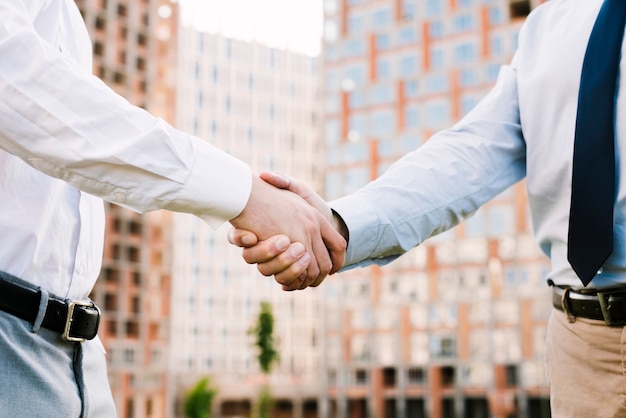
(120, 197)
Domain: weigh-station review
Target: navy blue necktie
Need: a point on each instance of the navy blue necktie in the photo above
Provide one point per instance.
(590, 240)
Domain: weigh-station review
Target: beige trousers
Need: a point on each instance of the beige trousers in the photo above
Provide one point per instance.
(586, 368)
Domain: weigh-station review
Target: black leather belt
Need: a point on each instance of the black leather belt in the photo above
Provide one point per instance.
(609, 306)
(74, 320)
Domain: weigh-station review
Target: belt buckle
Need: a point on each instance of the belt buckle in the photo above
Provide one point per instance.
(70, 318)
(605, 306)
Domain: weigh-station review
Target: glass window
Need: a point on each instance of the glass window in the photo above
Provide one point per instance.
(381, 18)
(357, 99)
(437, 83)
(410, 88)
(333, 180)
(475, 225)
(408, 66)
(467, 104)
(409, 9)
(468, 78)
(355, 179)
(465, 52)
(383, 68)
(409, 143)
(386, 147)
(411, 117)
(354, 152)
(407, 35)
(356, 74)
(354, 48)
(507, 346)
(464, 22)
(383, 41)
(386, 347)
(382, 94)
(434, 7)
(360, 350)
(501, 220)
(437, 113)
(495, 16)
(492, 72)
(419, 348)
(358, 124)
(437, 58)
(436, 29)
(443, 346)
(355, 24)
(497, 45)
(383, 122)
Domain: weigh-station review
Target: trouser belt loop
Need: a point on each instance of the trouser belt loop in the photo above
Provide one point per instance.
(564, 305)
(41, 313)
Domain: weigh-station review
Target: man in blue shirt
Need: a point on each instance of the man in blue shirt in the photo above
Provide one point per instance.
(524, 128)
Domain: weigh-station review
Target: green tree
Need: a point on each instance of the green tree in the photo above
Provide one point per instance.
(267, 356)
(263, 331)
(199, 399)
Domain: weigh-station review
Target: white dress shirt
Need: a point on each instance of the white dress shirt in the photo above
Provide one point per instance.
(524, 127)
(67, 141)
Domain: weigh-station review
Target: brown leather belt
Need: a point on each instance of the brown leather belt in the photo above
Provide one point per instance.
(609, 306)
(74, 320)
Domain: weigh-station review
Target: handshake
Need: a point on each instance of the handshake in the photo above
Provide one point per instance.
(290, 232)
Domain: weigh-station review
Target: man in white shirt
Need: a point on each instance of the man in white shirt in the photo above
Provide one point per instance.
(525, 127)
(66, 142)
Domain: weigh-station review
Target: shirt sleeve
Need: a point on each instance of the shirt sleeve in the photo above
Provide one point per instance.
(65, 122)
(443, 182)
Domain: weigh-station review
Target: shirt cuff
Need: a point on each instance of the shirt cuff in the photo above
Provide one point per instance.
(217, 188)
(363, 226)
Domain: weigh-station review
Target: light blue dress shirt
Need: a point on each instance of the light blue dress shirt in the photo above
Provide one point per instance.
(523, 128)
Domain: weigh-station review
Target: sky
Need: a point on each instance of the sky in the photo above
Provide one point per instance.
(287, 24)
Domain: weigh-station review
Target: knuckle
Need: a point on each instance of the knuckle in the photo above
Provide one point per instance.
(264, 270)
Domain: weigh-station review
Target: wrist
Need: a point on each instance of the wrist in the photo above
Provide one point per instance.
(340, 225)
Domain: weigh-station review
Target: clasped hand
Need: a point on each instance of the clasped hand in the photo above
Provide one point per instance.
(289, 231)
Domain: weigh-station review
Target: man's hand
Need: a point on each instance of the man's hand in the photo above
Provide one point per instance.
(283, 257)
(308, 238)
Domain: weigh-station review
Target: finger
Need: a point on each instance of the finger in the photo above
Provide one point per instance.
(290, 275)
(241, 237)
(318, 281)
(266, 250)
(295, 285)
(285, 182)
(283, 260)
(336, 246)
(324, 263)
(275, 179)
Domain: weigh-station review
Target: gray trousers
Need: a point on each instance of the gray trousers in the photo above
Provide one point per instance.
(41, 375)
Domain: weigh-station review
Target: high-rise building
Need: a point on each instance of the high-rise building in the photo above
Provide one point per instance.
(456, 326)
(260, 104)
(133, 53)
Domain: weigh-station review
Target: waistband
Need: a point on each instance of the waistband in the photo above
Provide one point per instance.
(75, 320)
